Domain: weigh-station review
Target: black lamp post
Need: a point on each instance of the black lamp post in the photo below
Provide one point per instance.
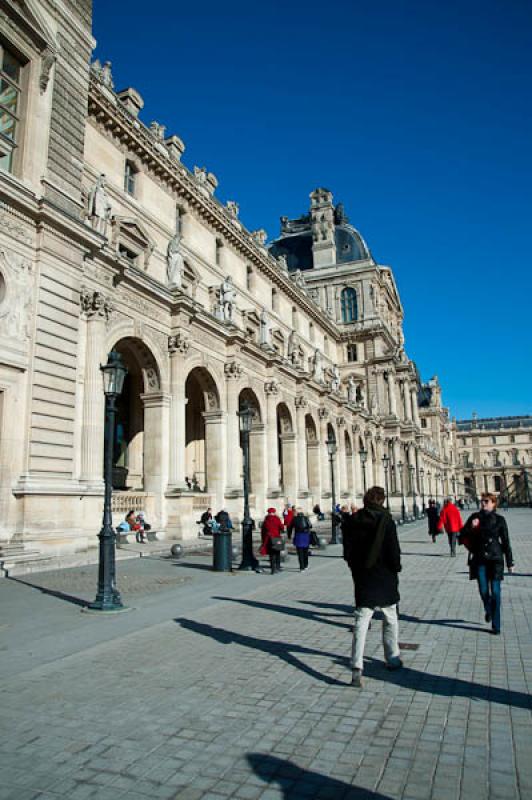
(331, 449)
(245, 416)
(413, 487)
(386, 464)
(437, 478)
(108, 597)
(422, 486)
(363, 458)
(401, 489)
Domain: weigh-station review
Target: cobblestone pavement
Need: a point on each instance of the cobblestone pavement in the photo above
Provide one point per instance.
(237, 686)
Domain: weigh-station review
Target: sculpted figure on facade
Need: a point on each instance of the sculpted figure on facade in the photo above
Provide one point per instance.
(351, 390)
(175, 264)
(317, 366)
(227, 300)
(335, 379)
(260, 237)
(233, 209)
(99, 206)
(265, 334)
(283, 263)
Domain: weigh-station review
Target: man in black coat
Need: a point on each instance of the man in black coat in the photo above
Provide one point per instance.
(374, 557)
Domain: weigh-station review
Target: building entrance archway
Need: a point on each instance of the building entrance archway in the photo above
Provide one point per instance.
(203, 465)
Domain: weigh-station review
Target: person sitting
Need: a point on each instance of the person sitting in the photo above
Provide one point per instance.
(188, 482)
(223, 519)
(319, 513)
(143, 527)
(207, 520)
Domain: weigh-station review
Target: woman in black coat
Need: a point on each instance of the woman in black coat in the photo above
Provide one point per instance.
(432, 518)
(485, 535)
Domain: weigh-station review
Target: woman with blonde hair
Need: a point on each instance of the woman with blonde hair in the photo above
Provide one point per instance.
(485, 535)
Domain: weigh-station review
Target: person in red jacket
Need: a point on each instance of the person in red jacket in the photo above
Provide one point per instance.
(451, 520)
(272, 542)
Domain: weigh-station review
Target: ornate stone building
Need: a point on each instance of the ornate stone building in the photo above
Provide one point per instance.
(494, 454)
(108, 241)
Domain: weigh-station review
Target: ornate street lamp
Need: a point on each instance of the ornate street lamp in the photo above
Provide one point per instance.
(422, 485)
(403, 507)
(386, 464)
(245, 416)
(108, 597)
(363, 458)
(331, 449)
(413, 487)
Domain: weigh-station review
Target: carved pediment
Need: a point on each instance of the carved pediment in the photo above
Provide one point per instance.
(131, 240)
(29, 16)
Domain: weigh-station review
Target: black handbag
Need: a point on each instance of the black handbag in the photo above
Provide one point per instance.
(276, 544)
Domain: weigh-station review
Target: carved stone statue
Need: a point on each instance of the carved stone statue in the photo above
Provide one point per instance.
(232, 208)
(99, 206)
(351, 390)
(106, 76)
(175, 265)
(227, 299)
(265, 335)
(283, 263)
(200, 173)
(317, 367)
(335, 381)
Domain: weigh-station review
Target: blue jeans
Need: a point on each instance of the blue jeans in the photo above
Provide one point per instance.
(490, 592)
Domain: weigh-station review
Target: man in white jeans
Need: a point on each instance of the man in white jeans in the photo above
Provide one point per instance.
(371, 549)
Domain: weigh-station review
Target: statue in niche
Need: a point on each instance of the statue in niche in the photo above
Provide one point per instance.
(352, 391)
(99, 206)
(335, 381)
(317, 367)
(175, 265)
(227, 299)
(265, 335)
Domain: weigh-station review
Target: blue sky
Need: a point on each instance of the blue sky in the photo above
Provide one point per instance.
(416, 115)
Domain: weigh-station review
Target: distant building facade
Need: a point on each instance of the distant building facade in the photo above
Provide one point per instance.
(494, 453)
(107, 241)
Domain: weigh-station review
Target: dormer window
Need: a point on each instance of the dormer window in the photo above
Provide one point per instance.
(10, 106)
(130, 176)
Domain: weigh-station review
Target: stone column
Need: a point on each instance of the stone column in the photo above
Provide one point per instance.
(325, 469)
(289, 441)
(382, 393)
(215, 454)
(178, 346)
(95, 307)
(380, 465)
(271, 389)
(396, 450)
(233, 371)
(415, 409)
(356, 467)
(302, 465)
(343, 486)
(392, 395)
(156, 447)
(257, 465)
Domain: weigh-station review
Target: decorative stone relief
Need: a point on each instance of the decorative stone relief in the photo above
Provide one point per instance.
(271, 387)
(175, 263)
(265, 333)
(16, 294)
(11, 226)
(178, 344)
(260, 237)
(158, 130)
(48, 59)
(301, 402)
(99, 206)
(317, 366)
(323, 413)
(232, 208)
(211, 401)
(94, 303)
(233, 370)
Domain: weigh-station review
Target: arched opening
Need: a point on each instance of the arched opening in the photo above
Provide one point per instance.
(286, 452)
(203, 451)
(137, 429)
(313, 454)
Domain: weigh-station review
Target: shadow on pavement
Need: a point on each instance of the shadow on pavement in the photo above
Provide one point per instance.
(317, 616)
(446, 623)
(69, 598)
(295, 781)
(284, 650)
(444, 686)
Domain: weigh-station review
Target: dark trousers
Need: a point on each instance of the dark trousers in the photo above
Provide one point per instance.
(302, 554)
(490, 592)
(452, 542)
(275, 561)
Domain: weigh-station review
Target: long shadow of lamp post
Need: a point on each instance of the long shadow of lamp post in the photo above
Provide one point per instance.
(249, 562)
(401, 489)
(386, 464)
(108, 597)
(331, 449)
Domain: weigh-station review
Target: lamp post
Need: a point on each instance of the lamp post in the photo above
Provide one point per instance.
(249, 562)
(386, 464)
(422, 486)
(331, 449)
(108, 597)
(429, 475)
(400, 471)
(437, 479)
(363, 458)
(454, 486)
(413, 487)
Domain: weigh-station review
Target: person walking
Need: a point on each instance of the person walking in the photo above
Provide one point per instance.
(374, 558)
(432, 518)
(301, 527)
(485, 535)
(451, 520)
(272, 542)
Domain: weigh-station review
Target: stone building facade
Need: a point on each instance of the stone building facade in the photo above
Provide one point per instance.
(108, 241)
(494, 454)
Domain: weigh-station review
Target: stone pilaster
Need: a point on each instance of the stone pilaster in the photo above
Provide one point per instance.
(325, 470)
(233, 372)
(271, 389)
(95, 307)
(178, 346)
(302, 464)
(392, 394)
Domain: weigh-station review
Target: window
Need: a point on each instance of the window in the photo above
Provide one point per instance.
(497, 483)
(494, 440)
(351, 352)
(218, 256)
(295, 321)
(130, 174)
(512, 438)
(515, 458)
(349, 305)
(311, 334)
(126, 253)
(275, 300)
(423, 423)
(10, 101)
(250, 279)
(326, 345)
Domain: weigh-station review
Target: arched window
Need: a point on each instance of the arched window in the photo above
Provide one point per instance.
(349, 305)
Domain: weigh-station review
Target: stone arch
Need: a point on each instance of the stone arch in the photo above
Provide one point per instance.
(148, 345)
(313, 454)
(257, 451)
(249, 396)
(287, 452)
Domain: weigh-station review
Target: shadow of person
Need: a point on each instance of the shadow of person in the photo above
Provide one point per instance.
(288, 610)
(68, 598)
(338, 607)
(460, 624)
(444, 686)
(295, 781)
(286, 651)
